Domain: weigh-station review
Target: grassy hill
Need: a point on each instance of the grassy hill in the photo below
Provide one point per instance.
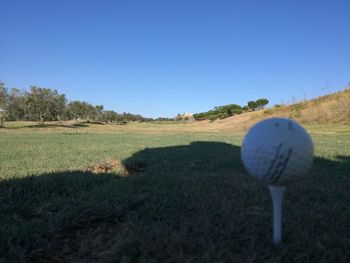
(331, 108)
(328, 109)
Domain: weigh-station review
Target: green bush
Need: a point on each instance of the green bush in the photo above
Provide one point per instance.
(237, 111)
(212, 118)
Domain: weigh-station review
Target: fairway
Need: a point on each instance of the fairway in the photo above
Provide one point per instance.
(173, 197)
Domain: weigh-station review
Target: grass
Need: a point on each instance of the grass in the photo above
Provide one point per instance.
(179, 196)
(330, 108)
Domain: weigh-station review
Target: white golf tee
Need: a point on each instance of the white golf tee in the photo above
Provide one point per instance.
(277, 199)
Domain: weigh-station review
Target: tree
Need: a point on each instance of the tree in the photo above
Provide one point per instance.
(48, 105)
(261, 103)
(3, 102)
(44, 104)
(252, 105)
(109, 116)
(3, 95)
(220, 112)
(16, 105)
(212, 118)
(237, 111)
(226, 110)
(80, 110)
(199, 116)
(245, 108)
(99, 113)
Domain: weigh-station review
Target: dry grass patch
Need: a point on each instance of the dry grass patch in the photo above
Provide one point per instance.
(107, 166)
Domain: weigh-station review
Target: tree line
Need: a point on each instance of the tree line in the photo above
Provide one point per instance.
(44, 104)
(221, 112)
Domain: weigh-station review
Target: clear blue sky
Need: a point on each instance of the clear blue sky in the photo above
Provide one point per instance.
(160, 58)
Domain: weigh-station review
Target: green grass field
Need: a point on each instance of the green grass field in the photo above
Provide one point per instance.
(175, 197)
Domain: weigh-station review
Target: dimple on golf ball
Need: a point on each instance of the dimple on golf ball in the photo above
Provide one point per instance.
(276, 149)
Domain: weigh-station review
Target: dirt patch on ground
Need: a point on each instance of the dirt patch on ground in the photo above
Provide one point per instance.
(106, 167)
(110, 166)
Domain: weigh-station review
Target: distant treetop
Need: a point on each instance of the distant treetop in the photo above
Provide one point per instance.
(221, 112)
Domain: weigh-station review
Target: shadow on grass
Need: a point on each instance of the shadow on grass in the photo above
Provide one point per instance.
(182, 203)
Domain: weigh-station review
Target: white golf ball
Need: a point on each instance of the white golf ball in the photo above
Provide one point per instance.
(276, 149)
